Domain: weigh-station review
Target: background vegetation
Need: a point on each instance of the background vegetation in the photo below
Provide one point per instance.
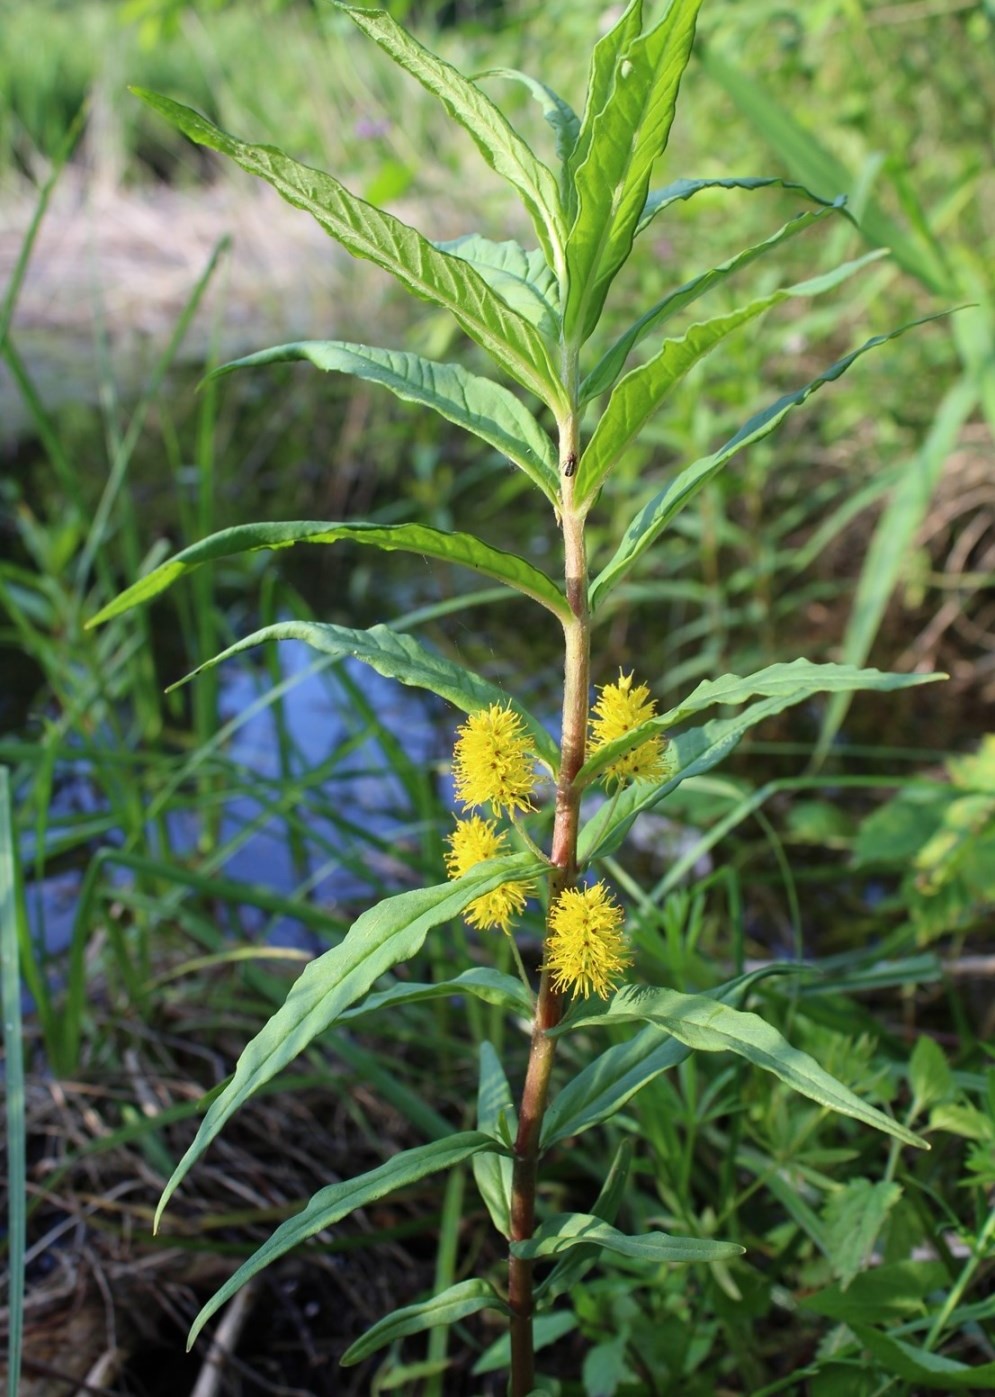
(178, 855)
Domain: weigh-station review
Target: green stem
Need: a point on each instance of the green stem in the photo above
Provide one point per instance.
(563, 857)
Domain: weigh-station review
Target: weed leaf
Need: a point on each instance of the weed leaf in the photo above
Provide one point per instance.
(455, 1303)
(387, 934)
(792, 683)
(379, 237)
(619, 144)
(336, 1201)
(640, 393)
(492, 986)
(463, 549)
(704, 1025)
(397, 657)
(606, 1084)
(696, 751)
(607, 369)
(558, 113)
(924, 1369)
(563, 1231)
(496, 1116)
(521, 278)
(659, 199)
(501, 146)
(476, 404)
(654, 517)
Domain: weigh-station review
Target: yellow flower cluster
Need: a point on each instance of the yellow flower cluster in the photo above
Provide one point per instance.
(586, 950)
(493, 764)
(618, 709)
(471, 842)
(494, 761)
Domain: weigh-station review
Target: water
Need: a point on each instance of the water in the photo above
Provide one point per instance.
(346, 858)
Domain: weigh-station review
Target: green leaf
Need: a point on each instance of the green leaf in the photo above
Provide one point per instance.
(398, 657)
(336, 1201)
(607, 369)
(558, 113)
(463, 549)
(704, 1025)
(379, 237)
(854, 1216)
(659, 199)
(691, 753)
(391, 932)
(925, 1369)
(618, 146)
(572, 1267)
(492, 986)
(792, 683)
(640, 393)
(606, 1084)
(563, 1231)
(450, 1305)
(654, 517)
(929, 1074)
(495, 1116)
(476, 404)
(607, 55)
(896, 1291)
(503, 149)
(523, 279)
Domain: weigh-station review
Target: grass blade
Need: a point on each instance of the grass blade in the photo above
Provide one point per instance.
(10, 914)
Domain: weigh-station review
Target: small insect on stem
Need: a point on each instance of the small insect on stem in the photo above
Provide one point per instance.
(570, 464)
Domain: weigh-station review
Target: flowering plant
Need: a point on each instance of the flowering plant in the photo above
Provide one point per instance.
(534, 312)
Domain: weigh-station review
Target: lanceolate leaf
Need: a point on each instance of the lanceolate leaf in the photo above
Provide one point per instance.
(606, 1084)
(448, 1307)
(476, 404)
(523, 279)
(496, 1116)
(659, 199)
(391, 932)
(502, 148)
(605, 372)
(464, 549)
(559, 114)
(641, 391)
(492, 986)
(921, 1368)
(563, 1231)
(569, 1269)
(654, 517)
(371, 233)
(398, 657)
(628, 132)
(607, 55)
(704, 1025)
(696, 751)
(335, 1202)
(792, 682)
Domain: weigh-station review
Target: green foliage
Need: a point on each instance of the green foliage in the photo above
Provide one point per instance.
(939, 838)
(683, 1084)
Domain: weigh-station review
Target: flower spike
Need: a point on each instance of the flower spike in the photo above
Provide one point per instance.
(494, 762)
(471, 842)
(586, 951)
(619, 709)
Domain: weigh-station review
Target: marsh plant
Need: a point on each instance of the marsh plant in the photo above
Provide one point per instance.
(525, 828)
